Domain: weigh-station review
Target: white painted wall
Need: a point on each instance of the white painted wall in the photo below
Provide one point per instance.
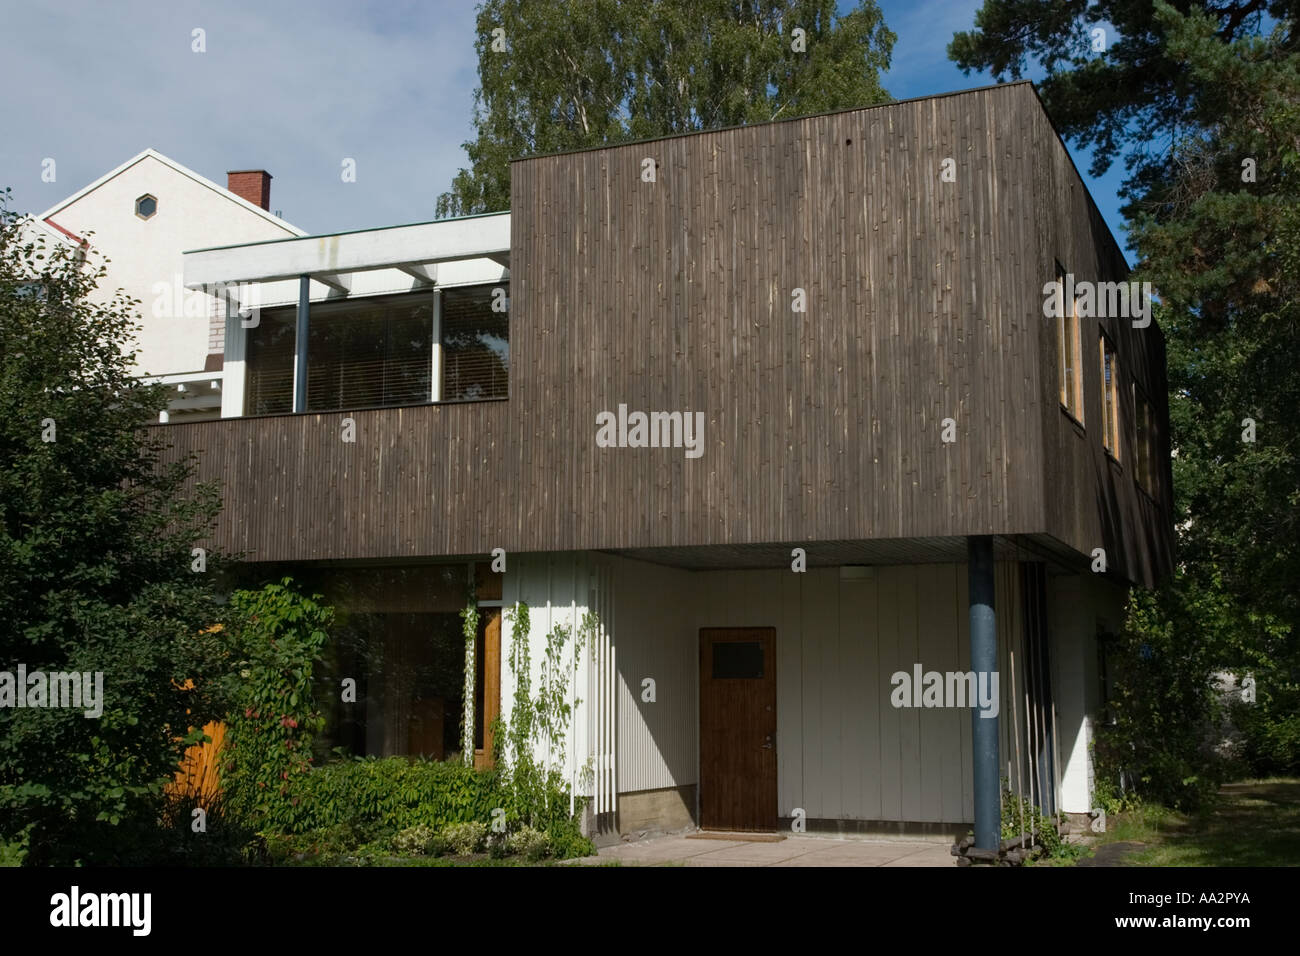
(558, 590)
(146, 255)
(1077, 607)
(655, 637)
(843, 751)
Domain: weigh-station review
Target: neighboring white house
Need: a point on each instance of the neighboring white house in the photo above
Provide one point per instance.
(48, 238)
(141, 217)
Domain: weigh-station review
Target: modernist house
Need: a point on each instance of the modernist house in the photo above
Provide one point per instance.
(779, 404)
(143, 215)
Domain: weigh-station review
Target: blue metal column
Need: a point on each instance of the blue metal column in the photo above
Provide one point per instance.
(300, 345)
(984, 662)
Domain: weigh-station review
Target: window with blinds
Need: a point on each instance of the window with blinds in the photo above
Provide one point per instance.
(268, 382)
(370, 353)
(378, 352)
(475, 343)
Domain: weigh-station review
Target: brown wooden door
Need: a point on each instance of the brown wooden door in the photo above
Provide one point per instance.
(738, 728)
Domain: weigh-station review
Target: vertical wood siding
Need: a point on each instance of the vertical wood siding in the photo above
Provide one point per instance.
(924, 303)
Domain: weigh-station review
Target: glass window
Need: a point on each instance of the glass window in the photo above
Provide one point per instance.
(737, 659)
(268, 385)
(377, 352)
(475, 343)
(370, 353)
(1109, 398)
(1144, 435)
(1069, 356)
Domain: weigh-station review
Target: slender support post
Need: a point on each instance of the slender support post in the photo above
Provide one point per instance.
(984, 663)
(435, 374)
(300, 345)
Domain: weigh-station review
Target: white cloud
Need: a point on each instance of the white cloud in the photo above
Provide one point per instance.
(290, 87)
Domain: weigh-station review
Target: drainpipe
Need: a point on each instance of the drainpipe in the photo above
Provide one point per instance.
(984, 662)
(300, 344)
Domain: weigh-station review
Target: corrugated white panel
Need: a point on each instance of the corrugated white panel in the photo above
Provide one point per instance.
(844, 752)
(599, 707)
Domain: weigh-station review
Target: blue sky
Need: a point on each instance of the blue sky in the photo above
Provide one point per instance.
(296, 88)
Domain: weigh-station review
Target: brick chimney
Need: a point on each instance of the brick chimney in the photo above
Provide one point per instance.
(251, 184)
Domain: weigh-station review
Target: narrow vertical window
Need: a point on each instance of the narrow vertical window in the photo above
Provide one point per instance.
(1069, 353)
(1144, 441)
(1109, 398)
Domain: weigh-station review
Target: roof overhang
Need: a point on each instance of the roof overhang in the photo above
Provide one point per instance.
(414, 250)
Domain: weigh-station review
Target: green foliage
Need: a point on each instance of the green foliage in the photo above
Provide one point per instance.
(540, 723)
(276, 635)
(469, 615)
(96, 531)
(12, 854)
(1272, 739)
(566, 840)
(1164, 707)
(393, 793)
(418, 841)
(1224, 251)
(531, 844)
(1109, 796)
(1203, 103)
(466, 838)
(1098, 98)
(580, 74)
(1020, 815)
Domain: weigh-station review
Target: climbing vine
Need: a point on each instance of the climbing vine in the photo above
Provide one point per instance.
(540, 724)
(469, 627)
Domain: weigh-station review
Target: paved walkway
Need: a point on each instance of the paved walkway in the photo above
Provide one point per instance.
(795, 850)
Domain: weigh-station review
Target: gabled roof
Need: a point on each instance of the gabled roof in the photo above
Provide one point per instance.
(50, 230)
(237, 200)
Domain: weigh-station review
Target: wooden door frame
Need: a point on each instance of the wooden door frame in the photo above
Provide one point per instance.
(489, 665)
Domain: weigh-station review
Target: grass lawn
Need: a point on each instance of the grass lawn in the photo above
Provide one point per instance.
(1252, 823)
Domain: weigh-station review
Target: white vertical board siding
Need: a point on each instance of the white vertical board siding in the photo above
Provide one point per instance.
(557, 590)
(655, 637)
(600, 703)
(844, 752)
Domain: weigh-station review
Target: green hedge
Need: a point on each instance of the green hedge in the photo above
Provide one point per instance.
(395, 793)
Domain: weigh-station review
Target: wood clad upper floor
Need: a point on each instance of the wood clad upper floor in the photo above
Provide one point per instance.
(842, 321)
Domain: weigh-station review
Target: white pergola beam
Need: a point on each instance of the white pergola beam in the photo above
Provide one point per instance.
(428, 274)
(449, 240)
(338, 281)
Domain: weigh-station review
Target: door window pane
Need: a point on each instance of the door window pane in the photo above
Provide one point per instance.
(737, 659)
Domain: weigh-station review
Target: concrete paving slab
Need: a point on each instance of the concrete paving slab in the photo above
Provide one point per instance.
(796, 850)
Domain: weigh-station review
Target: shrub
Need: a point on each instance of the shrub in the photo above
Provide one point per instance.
(1164, 707)
(529, 843)
(277, 636)
(416, 841)
(392, 793)
(96, 567)
(1021, 815)
(466, 838)
(566, 840)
